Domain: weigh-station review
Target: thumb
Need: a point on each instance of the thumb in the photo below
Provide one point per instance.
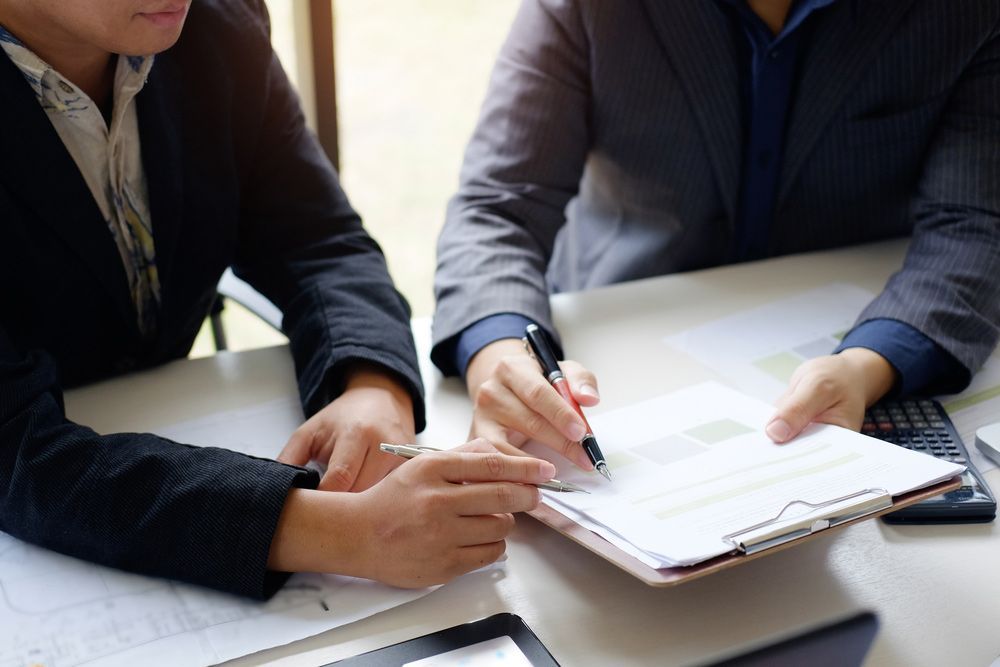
(796, 410)
(582, 383)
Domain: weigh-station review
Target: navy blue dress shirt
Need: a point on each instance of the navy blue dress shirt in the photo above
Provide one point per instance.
(769, 76)
(769, 67)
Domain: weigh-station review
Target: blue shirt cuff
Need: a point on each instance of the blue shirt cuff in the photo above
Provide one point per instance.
(460, 349)
(924, 367)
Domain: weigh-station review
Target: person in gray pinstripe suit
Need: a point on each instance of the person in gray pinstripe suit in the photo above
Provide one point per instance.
(634, 138)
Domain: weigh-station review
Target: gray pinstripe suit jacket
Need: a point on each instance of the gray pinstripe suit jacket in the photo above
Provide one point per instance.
(609, 149)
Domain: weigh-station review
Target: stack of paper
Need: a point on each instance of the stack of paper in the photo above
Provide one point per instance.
(693, 468)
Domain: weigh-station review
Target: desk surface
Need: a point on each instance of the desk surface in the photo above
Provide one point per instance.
(936, 589)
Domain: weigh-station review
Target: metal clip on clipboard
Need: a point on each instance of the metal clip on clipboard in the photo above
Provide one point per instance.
(771, 532)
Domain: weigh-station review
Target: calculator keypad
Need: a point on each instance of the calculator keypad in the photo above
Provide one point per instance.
(916, 425)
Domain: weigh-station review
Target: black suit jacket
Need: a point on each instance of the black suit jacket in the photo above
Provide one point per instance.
(234, 179)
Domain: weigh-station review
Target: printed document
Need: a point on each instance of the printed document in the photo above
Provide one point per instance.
(758, 349)
(693, 469)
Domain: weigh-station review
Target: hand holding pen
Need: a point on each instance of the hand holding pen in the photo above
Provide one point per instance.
(538, 341)
(430, 519)
(513, 402)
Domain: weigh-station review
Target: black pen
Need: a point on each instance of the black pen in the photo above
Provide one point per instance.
(539, 343)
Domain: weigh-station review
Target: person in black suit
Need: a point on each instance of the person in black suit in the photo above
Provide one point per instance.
(128, 183)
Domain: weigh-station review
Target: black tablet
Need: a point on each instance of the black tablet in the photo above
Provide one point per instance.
(501, 640)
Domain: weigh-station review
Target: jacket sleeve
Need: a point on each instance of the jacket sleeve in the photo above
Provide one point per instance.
(949, 285)
(522, 167)
(303, 247)
(133, 501)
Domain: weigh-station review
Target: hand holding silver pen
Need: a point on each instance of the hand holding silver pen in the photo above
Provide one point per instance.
(411, 451)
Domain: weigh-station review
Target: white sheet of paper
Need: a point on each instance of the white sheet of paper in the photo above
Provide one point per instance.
(693, 466)
(58, 611)
(756, 350)
(497, 652)
(771, 341)
(977, 406)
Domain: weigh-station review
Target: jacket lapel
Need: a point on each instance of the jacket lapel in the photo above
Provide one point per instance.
(40, 173)
(844, 43)
(696, 37)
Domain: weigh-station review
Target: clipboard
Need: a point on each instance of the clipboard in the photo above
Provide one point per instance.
(750, 543)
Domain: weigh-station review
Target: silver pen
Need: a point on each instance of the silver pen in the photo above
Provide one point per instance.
(410, 451)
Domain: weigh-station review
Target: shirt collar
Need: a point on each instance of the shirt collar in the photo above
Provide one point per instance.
(797, 13)
(54, 91)
(32, 67)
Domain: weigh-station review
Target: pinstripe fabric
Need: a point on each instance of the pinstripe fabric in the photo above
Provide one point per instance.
(609, 147)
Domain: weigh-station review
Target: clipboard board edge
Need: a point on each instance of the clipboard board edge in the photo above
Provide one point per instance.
(672, 576)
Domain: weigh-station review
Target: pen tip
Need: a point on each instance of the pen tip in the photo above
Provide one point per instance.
(603, 469)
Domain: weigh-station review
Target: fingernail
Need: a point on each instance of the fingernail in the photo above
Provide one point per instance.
(589, 390)
(577, 431)
(778, 430)
(547, 470)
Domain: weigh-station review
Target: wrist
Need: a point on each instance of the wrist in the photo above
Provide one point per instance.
(364, 375)
(314, 534)
(876, 374)
(483, 363)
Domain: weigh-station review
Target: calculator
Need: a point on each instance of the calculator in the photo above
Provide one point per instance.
(923, 426)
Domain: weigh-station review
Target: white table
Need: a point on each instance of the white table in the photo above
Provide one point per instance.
(935, 589)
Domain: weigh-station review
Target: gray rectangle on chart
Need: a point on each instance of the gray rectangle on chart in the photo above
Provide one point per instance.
(817, 348)
(669, 449)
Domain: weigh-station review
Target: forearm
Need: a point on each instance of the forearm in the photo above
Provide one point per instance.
(949, 290)
(949, 285)
(303, 246)
(340, 309)
(133, 501)
(146, 505)
(921, 365)
(522, 167)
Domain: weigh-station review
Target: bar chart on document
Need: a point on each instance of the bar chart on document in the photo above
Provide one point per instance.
(758, 349)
